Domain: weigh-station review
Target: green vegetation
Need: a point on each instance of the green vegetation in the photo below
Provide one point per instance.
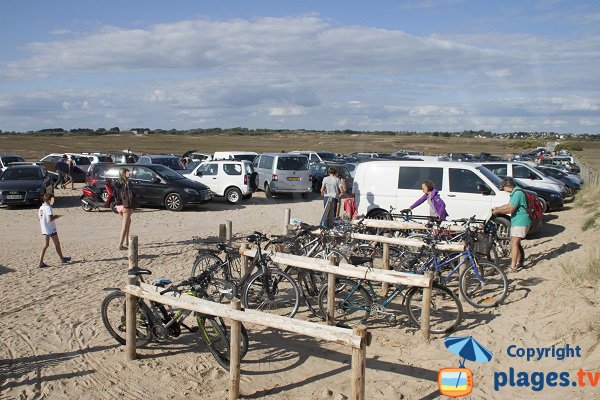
(571, 146)
(527, 144)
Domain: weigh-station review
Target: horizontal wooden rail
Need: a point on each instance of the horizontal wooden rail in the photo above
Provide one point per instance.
(458, 246)
(402, 225)
(186, 302)
(343, 269)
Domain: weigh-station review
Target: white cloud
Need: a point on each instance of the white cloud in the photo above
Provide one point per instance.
(435, 110)
(285, 111)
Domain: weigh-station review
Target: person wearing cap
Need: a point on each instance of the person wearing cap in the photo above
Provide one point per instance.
(519, 221)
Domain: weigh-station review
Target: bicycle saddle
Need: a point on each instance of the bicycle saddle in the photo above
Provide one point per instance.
(358, 260)
(308, 227)
(139, 271)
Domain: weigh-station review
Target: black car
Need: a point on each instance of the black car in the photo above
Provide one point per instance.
(551, 199)
(157, 185)
(319, 171)
(173, 162)
(24, 184)
(6, 160)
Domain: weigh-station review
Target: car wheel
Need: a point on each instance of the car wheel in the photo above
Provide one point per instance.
(233, 195)
(545, 205)
(173, 202)
(268, 192)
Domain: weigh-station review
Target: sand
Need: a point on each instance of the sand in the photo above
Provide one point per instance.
(53, 344)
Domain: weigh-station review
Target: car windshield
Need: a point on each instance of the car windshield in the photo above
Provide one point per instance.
(327, 156)
(167, 173)
(27, 174)
(10, 159)
(491, 176)
(290, 163)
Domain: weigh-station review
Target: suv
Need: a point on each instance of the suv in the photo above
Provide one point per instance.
(157, 185)
(6, 160)
(235, 155)
(283, 173)
(170, 161)
(234, 180)
(82, 163)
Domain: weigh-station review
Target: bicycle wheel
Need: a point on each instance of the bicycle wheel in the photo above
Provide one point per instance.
(216, 340)
(203, 261)
(489, 289)
(274, 292)
(352, 302)
(311, 282)
(112, 311)
(445, 308)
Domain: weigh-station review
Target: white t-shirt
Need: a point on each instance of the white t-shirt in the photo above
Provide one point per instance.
(332, 186)
(48, 226)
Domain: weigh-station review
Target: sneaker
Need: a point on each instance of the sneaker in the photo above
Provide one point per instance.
(43, 265)
(66, 260)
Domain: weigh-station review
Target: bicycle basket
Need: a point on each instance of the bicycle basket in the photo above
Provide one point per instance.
(483, 243)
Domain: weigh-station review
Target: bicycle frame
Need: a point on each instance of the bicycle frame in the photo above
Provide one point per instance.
(373, 295)
(438, 266)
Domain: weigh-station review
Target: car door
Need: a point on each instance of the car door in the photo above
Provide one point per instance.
(465, 197)
(148, 186)
(208, 174)
(526, 175)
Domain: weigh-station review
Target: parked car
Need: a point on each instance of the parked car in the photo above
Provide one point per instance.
(467, 189)
(24, 184)
(527, 174)
(82, 163)
(6, 160)
(319, 171)
(571, 181)
(283, 173)
(235, 155)
(173, 162)
(122, 157)
(194, 155)
(157, 185)
(318, 156)
(94, 173)
(234, 180)
(551, 199)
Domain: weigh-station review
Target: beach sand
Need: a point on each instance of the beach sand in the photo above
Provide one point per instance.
(53, 344)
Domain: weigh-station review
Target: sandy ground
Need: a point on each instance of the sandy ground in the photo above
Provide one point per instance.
(53, 344)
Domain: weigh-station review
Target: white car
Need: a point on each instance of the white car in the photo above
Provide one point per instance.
(234, 180)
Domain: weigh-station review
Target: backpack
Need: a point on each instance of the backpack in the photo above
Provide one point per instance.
(534, 206)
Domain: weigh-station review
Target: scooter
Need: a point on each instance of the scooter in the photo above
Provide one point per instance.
(97, 198)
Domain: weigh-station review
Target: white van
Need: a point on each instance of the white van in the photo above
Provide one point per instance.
(467, 189)
(526, 174)
(235, 155)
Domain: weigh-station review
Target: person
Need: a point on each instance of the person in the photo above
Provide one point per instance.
(47, 218)
(519, 221)
(61, 172)
(437, 207)
(126, 204)
(343, 189)
(71, 170)
(330, 190)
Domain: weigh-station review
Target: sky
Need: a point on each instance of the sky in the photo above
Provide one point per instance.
(429, 65)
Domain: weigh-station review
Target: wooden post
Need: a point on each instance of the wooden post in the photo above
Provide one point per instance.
(244, 263)
(131, 303)
(234, 359)
(386, 264)
(286, 220)
(359, 357)
(228, 231)
(331, 292)
(426, 310)
(222, 231)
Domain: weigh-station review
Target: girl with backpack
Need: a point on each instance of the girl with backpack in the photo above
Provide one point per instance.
(126, 204)
(519, 221)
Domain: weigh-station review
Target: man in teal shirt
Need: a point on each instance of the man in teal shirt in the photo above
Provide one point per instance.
(519, 220)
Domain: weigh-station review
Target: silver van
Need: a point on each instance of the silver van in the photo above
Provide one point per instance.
(283, 173)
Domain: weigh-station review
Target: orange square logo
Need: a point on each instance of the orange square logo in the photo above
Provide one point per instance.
(455, 382)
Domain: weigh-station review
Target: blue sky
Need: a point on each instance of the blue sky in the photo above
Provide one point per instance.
(431, 65)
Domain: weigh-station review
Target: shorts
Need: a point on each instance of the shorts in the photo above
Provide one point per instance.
(120, 209)
(519, 231)
(50, 234)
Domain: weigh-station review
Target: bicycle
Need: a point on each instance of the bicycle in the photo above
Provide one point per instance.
(269, 289)
(354, 303)
(156, 322)
(482, 284)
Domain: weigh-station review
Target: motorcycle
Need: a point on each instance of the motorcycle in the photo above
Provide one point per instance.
(96, 198)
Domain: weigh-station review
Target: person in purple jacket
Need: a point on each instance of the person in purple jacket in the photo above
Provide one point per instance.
(437, 207)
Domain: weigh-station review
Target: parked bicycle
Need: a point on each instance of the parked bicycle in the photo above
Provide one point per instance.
(156, 322)
(268, 289)
(356, 301)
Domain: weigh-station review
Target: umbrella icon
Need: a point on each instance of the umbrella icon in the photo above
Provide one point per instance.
(469, 349)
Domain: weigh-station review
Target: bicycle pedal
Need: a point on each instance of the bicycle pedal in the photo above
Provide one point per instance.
(193, 329)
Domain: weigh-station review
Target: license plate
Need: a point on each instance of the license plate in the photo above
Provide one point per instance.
(293, 178)
(14, 197)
